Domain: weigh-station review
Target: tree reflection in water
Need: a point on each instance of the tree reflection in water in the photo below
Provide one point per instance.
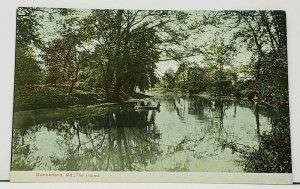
(273, 152)
(117, 140)
(188, 134)
(273, 155)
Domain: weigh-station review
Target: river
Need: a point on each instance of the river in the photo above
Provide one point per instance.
(187, 134)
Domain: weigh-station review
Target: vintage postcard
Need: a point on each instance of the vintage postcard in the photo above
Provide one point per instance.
(151, 96)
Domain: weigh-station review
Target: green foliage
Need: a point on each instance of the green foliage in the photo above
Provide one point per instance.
(40, 97)
(20, 160)
(168, 80)
(182, 77)
(195, 79)
(265, 35)
(60, 57)
(274, 153)
(198, 80)
(27, 70)
(27, 24)
(114, 53)
(125, 51)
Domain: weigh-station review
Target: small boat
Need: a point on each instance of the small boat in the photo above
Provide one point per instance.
(139, 107)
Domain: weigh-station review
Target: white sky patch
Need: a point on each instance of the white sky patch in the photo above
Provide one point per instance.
(162, 67)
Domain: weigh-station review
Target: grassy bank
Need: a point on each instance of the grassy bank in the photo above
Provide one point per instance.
(26, 98)
(43, 97)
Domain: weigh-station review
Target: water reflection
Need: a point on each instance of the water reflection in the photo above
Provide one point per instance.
(115, 139)
(188, 134)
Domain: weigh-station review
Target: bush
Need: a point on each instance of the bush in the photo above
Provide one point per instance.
(274, 153)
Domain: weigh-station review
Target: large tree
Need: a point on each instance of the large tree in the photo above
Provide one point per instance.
(128, 44)
(27, 68)
(264, 32)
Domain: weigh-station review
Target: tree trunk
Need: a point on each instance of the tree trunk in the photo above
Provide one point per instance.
(273, 40)
(117, 92)
(107, 93)
(258, 45)
(75, 79)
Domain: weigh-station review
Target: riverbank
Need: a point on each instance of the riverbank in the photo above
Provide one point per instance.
(34, 98)
(211, 96)
(49, 97)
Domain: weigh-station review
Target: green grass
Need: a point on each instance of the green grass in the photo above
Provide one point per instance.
(31, 98)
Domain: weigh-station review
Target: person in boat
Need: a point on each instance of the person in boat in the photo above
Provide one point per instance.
(142, 103)
(148, 103)
(147, 106)
(158, 105)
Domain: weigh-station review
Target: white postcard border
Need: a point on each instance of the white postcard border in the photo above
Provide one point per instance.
(8, 20)
(151, 177)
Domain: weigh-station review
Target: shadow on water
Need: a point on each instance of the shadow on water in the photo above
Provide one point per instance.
(188, 134)
(273, 154)
(107, 139)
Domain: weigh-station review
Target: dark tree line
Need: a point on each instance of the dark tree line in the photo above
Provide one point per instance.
(112, 54)
(263, 34)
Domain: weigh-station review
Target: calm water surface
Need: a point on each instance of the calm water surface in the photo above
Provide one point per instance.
(187, 134)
